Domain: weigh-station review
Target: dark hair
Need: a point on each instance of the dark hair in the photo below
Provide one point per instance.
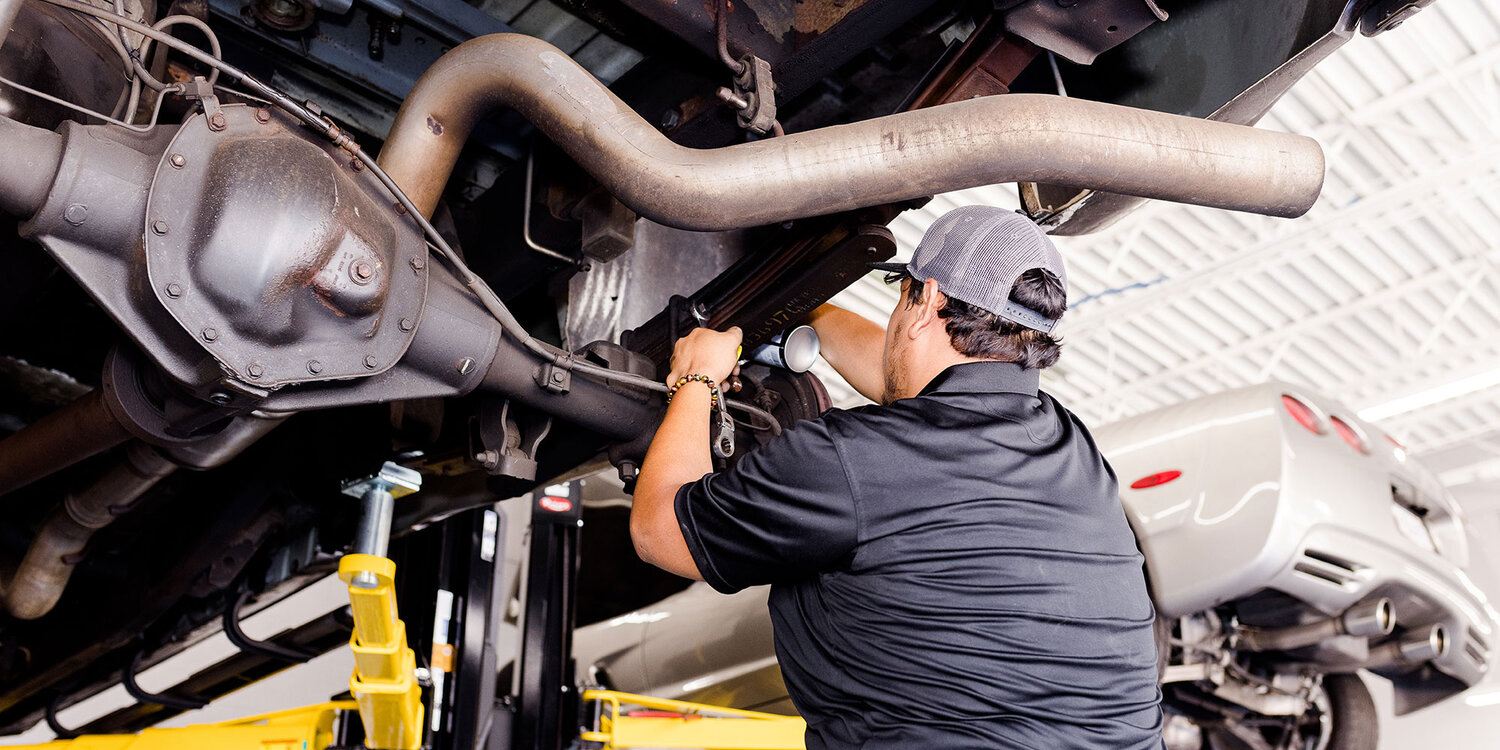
(981, 334)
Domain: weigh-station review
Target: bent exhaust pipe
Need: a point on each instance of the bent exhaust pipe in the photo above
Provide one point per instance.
(1374, 618)
(49, 562)
(993, 139)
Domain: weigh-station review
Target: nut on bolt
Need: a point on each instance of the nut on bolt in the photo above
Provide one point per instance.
(362, 271)
(488, 459)
(174, 290)
(216, 121)
(407, 324)
(210, 334)
(370, 361)
(255, 371)
(159, 226)
(178, 161)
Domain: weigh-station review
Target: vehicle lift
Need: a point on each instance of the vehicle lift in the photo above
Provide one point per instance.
(462, 710)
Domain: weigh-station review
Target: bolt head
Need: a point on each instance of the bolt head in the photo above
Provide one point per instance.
(362, 271)
(178, 161)
(216, 121)
(262, 115)
(557, 376)
(407, 324)
(210, 334)
(314, 366)
(466, 365)
(255, 371)
(76, 214)
(174, 290)
(370, 361)
(417, 264)
(159, 226)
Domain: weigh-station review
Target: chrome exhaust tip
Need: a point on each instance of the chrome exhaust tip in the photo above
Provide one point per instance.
(1426, 646)
(1375, 618)
(1411, 650)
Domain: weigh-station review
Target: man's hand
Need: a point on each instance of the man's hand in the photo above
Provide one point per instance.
(707, 352)
(679, 452)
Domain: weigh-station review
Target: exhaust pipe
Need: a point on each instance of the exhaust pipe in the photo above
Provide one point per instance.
(1414, 650)
(83, 428)
(1375, 618)
(993, 139)
(54, 553)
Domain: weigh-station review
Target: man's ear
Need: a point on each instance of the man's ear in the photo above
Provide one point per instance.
(927, 311)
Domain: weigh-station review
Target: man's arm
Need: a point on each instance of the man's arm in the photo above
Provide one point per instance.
(854, 346)
(679, 454)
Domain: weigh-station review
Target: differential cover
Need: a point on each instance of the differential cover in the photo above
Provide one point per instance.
(279, 257)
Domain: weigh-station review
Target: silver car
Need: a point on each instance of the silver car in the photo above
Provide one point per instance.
(1288, 544)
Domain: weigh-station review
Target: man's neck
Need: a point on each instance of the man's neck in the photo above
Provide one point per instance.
(933, 363)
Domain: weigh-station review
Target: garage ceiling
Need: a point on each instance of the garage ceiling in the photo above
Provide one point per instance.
(1384, 296)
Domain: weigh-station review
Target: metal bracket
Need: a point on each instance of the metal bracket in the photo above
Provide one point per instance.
(754, 96)
(396, 479)
(202, 91)
(510, 448)
(554, 378)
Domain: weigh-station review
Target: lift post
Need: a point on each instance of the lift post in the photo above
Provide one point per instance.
(547, 717)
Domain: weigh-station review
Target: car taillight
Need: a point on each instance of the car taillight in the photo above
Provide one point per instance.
(1303, 413)
(1349, 434)
(1152, 480)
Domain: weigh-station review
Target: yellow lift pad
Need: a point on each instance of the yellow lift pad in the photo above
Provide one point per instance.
(623, 720)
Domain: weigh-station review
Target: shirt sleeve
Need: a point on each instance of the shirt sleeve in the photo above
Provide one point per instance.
(783, 513)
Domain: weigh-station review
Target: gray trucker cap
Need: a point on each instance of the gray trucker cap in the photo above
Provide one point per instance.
(976, 253)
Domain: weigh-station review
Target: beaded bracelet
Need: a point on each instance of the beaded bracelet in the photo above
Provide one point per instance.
(713, 388)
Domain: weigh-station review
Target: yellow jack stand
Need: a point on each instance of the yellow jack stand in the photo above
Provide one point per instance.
(295, 729)
(384, 683)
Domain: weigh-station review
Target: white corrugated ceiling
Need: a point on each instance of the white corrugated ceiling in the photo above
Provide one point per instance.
(1385, 295)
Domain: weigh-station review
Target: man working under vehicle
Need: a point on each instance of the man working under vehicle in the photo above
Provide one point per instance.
(951, 569)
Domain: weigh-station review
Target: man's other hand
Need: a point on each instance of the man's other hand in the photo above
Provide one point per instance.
(706, 352)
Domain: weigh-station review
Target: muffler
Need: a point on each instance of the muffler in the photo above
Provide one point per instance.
(983, 141)
(1411, 650)
(1373, 618)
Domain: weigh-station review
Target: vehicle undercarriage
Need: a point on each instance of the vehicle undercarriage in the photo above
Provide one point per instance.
(427, 231)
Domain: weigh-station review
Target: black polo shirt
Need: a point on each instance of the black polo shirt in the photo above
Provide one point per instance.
(950, 571)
